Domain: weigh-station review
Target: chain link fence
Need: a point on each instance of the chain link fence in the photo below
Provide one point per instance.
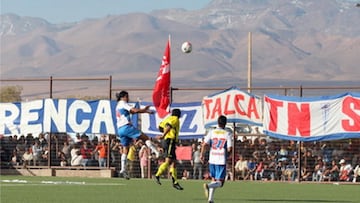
(256, 157)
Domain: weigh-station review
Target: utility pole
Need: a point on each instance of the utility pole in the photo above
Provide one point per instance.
(249, 84)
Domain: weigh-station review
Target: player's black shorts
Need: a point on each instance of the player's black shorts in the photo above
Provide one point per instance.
(169, 149)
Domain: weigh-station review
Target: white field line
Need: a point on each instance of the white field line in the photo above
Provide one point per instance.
(46, 183)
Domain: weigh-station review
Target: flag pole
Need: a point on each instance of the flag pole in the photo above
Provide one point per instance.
(171, 89)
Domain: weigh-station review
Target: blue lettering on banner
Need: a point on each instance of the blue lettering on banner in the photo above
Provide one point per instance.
(79, 116)
(191, 124)
(152, 120)
(188, 118)
(58, 115)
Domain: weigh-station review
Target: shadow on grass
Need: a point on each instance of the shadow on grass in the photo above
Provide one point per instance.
(280, 200)
(287, 200)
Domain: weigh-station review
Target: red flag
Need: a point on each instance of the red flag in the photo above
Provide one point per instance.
(161, 93)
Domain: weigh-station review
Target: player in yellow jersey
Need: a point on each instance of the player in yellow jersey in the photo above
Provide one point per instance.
(170, 128)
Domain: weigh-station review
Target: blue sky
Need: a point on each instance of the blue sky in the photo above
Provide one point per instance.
(58, 11)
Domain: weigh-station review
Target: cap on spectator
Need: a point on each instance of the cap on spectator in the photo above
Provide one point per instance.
(342, 161)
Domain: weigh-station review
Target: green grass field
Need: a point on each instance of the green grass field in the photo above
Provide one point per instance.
(20, 189)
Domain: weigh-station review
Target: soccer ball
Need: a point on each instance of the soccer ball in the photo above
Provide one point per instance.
(186, 47)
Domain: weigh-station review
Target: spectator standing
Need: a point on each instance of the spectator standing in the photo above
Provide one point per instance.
(66, 148)
(144, 160)
(114, 151)
(102, 149)
(197, 163)
(132, 158)
(259, 169)
(37, 151)
(86, 153)
(220, 142)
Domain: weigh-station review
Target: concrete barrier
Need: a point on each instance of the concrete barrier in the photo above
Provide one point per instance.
(27, 172)
(60, 171)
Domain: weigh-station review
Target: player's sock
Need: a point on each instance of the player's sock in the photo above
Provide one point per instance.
(214, 184)
(173, 173)
(211, 194)
(157, 179)
(152, 147)
(162, 168)
(206, 190)
(123, 163)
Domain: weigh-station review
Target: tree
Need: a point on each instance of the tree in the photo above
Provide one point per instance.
(10, 94)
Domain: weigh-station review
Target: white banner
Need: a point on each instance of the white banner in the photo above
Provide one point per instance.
(312, 119)
(94, 117)
(238, 106)
(57, 115)
(191, 124)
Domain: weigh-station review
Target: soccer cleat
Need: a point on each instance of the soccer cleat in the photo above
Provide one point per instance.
(177, 186)
(157, 179)
(125, 175)
(206, 190)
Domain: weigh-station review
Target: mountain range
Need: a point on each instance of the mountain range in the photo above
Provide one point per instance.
(293, 42)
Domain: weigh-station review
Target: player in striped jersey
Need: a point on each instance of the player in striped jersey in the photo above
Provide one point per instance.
(219, 141)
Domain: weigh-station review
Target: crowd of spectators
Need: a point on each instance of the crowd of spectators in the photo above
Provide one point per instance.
(256, 158)
(260, 159)
(64, 150)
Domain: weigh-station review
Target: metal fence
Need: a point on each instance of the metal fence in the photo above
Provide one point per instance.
(255, 157)
(106, 87)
